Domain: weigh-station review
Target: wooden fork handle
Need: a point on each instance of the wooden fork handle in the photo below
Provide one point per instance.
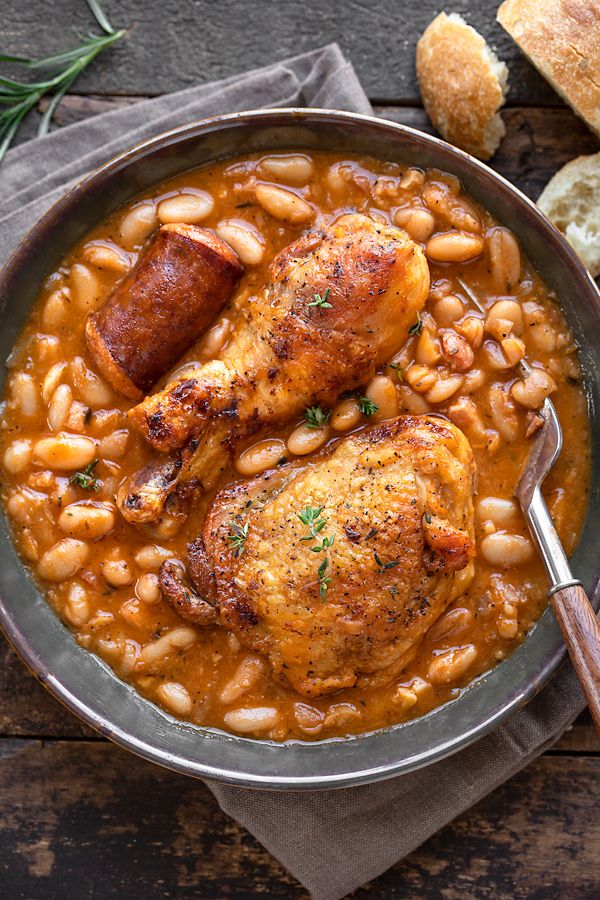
(581, 631)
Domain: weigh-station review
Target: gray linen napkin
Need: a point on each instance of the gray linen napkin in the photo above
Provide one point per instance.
(331, 841)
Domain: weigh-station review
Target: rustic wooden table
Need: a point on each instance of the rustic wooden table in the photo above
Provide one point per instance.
(80, 817)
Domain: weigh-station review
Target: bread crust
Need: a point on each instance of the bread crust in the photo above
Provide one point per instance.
(562, 40)
(462, 85)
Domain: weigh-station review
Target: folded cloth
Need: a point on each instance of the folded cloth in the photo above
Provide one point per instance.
(331, 841)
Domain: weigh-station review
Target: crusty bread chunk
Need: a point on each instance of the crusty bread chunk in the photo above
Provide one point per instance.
(571, 200)
(463, 85)
(562, 39)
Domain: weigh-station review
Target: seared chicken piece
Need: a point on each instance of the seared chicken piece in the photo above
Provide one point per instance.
(339, 303)
(391, 509)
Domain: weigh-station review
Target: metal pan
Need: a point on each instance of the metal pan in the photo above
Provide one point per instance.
(82, 681)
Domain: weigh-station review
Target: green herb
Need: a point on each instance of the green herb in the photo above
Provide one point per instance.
(18, 97)
(86, 478)
(417, 328)
(399, 370)
(322, 301)
(237, 537)
(366, 406)
(323, 579)
(314, 417)
(428, 518)
(383, 567)
(312, 518)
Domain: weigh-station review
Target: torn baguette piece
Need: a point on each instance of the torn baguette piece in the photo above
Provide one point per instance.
(562, 40)
(463, 85)
(571, 200)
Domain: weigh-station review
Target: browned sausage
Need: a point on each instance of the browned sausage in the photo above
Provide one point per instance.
(183, 279)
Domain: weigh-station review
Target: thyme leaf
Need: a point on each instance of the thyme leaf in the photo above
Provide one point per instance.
(86, 479)
(383, 567)
(237, 537)
(417, 328)
(321, 301)
(367, 406)
(314, 417)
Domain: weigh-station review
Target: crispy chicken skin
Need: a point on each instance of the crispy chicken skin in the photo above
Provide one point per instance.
(397, 500)
(338, 304)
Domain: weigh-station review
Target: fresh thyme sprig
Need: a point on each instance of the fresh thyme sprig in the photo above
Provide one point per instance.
(322, 301)
(312, 518)
(366, 406)
(237, 537)
(86, 478)
(19, 97)
(314, 417)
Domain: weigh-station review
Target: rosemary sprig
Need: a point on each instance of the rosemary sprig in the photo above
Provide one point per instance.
(19, 97)
(86, 479)
(314, 417)
(237, 537)
(366, 406)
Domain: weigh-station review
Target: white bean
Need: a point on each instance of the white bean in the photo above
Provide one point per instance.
(106, 257)
(113, 446)
(85, 288)
(533, 389)
(64, 452)
(261, 456)
(24, 393)
(177, 639)
(59, 407)
(87, 519)
(175, 697)
(451, 665)
(505, 258)
(117, 572)
(506, 550)
(249, 671)
(246, 243)
(294, 169)
(284, 205)
(91, 389)
(444, 388)
(187, 208)
(151, 557)
(77, 607)
(52, 379)
(63, 560)
(248, 721)
(17, 455)
(499, 510)
(304, 440)
(418, 222)
(346, 414)
(147, 588)
(454, 246)
(137, 224)
(381, 390)
(56, 308)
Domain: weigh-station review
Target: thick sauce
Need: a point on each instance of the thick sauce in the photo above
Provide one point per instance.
(100, 574)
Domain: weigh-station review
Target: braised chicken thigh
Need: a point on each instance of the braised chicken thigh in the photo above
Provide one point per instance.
(339, 302)
(335, 571)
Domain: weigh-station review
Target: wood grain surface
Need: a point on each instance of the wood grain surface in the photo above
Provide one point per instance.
(81, 818)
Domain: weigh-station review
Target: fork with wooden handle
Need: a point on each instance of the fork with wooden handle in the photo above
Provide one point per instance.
(572, 609)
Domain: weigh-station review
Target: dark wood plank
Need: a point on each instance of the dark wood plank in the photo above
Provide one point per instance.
(81, 809)
(177, 43)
